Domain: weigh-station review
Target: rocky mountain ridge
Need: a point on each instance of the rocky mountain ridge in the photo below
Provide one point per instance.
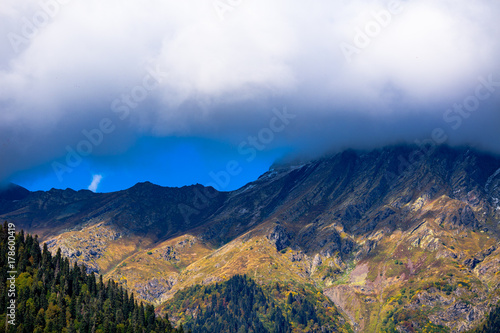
(361, 226)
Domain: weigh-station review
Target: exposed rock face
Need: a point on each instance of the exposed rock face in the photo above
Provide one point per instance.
(490, 267)
(331, 244)
(446, 254)
(279, 237)
(154, 290)
(338, 261)
(86, 247)
(383, 215)
(471, 263)
(370, 245)
(367, 247)
(211, 279)
(317, 261)
(170, 254)
(351, 214)
(483, 254)
(299, 256)
(424, 237)
(460, 316)
(432, 299)
(468, 218)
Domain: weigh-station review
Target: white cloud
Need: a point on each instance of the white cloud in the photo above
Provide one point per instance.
(264, 54)
(96, 180)
(100, 49)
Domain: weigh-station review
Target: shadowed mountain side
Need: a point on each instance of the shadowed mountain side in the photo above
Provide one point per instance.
(144, 210)
(359, 191)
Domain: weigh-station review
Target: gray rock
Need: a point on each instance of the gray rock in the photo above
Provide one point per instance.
(471, 263)
(483, 254)
(279, 237)
(430, 299)
(152, 290)
(468, 218)
(299, 256)
(317, 261)
(446, 254)
(170, 254)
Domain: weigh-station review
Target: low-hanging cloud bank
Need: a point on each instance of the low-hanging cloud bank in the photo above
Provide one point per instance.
(356, 73)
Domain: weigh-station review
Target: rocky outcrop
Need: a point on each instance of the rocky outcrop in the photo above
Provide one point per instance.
(350, 214)
(317, 261)
(425, 238)
(483, 254)
(211, 279)
(368, 246)
(333, 242)
(299, 256)
(170, 254)
(279, 237)
(490, 267)
(154, 290)
(446, 254)
(468, 218)
(471, 263)
(460, 316)
(432, 299)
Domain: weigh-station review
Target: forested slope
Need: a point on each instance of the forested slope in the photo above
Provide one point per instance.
(53, 296)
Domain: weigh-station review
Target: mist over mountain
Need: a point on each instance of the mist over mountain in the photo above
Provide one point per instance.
(197, 84)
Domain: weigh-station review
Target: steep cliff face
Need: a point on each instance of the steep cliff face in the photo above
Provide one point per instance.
(399, 238)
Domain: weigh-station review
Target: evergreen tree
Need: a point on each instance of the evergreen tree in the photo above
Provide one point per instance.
(53, 296)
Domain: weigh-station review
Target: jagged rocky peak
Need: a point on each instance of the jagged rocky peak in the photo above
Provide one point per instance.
(361, 190)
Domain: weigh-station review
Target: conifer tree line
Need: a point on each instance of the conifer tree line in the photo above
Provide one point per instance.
(240, 305)
(54, 296)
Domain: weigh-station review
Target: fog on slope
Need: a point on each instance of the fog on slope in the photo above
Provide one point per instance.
(351, 74)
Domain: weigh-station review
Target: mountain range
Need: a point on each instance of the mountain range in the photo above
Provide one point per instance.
(402, 238)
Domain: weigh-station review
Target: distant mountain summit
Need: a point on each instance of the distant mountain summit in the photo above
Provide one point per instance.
(12, 192)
